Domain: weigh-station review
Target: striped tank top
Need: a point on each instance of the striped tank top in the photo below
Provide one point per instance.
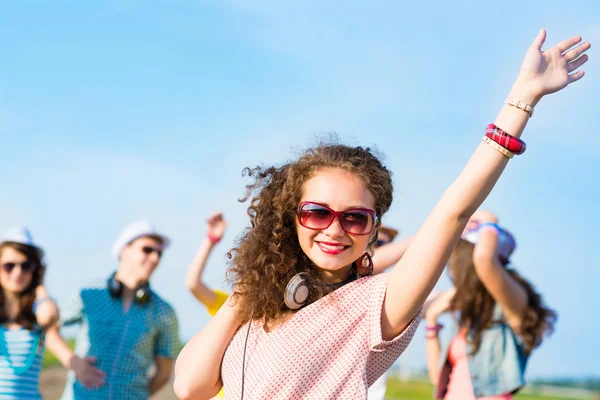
(20, 363)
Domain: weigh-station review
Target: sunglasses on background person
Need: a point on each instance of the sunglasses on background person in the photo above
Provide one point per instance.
(354, 221)
(381, 242)
(147, 250)
(26, 266)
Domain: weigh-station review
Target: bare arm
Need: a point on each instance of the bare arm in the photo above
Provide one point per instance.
(58, 347)
(435, 306)
(193, 280)
(198, 366)
(46, 311)
(413, 278)
(433, 350)
(498, 282)
(389, 254)
(86, 373)
(163, 373)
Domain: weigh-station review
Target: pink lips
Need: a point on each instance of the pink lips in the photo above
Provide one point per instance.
(332, 248)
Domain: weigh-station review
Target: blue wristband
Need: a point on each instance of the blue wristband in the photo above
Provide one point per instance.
(37, 302)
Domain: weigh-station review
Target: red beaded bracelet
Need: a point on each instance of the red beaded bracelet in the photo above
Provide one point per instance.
(213, 239)
(504, 139)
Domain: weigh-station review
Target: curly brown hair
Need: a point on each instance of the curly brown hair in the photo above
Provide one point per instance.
(476, 305)
(25, 317)
(268, 254)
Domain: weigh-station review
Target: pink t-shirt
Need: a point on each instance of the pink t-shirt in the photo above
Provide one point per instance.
(460, 387)
(330, 349)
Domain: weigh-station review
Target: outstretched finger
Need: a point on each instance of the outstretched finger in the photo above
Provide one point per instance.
(577, 51)
(539, 40)
(576, 76)
(567, 44)
(573, 65)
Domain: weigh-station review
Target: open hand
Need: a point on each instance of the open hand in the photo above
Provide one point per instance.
(87, 374)
(551, 70)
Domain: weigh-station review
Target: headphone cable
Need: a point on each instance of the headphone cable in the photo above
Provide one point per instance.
(244, 357)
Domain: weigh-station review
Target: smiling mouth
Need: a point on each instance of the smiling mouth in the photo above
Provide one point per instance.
(332, 248)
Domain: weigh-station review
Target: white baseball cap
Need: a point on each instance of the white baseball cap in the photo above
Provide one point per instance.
(136, 230)
(21, 235)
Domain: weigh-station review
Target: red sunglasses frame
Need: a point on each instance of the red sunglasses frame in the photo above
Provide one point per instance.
(337, 214)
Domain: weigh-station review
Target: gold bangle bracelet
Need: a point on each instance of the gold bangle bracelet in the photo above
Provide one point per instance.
(521, 105)
(509, 154)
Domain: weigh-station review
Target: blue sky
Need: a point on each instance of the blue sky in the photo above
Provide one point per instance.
(118, 110)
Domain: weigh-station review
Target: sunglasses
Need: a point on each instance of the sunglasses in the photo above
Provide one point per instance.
(26, 266)
(147, 250)
(381, 242)
(354, 221)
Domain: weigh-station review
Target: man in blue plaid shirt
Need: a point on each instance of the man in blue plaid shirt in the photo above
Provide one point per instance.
(126, 328)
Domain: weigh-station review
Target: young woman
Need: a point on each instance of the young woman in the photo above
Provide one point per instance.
(306, 319)
(26, 312)
(501, 318)
(212, 299)
(386, 255)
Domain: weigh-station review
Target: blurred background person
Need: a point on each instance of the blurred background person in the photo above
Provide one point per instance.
(26, 311)
(501, 318)
(126, 327)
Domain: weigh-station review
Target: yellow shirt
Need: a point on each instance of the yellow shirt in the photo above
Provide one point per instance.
(221, 298)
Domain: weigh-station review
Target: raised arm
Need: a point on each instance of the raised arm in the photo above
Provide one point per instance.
(44, 308)
(413, 278)
(193, 280)
(389, 254)
(198, 366)
(496, 279)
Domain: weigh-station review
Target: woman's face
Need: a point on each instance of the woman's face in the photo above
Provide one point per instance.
(16, 272)
(332, 249)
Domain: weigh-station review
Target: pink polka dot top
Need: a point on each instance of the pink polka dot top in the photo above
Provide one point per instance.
(330, 349)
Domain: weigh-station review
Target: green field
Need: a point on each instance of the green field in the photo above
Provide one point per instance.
(397, 390)
(417, 390)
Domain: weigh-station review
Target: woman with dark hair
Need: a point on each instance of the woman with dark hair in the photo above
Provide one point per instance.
(501, 318)
(307, 319)
(26, 312)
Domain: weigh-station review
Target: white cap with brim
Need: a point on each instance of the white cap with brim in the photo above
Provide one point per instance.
(21, 235)
(506, 241)
(136, 230)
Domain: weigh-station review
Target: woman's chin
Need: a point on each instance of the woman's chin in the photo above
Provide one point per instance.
(15, 290)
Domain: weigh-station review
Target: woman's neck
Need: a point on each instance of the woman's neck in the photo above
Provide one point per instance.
(337, 277)
(11, 305)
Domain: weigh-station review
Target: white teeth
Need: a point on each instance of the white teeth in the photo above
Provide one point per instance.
(330, 247)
